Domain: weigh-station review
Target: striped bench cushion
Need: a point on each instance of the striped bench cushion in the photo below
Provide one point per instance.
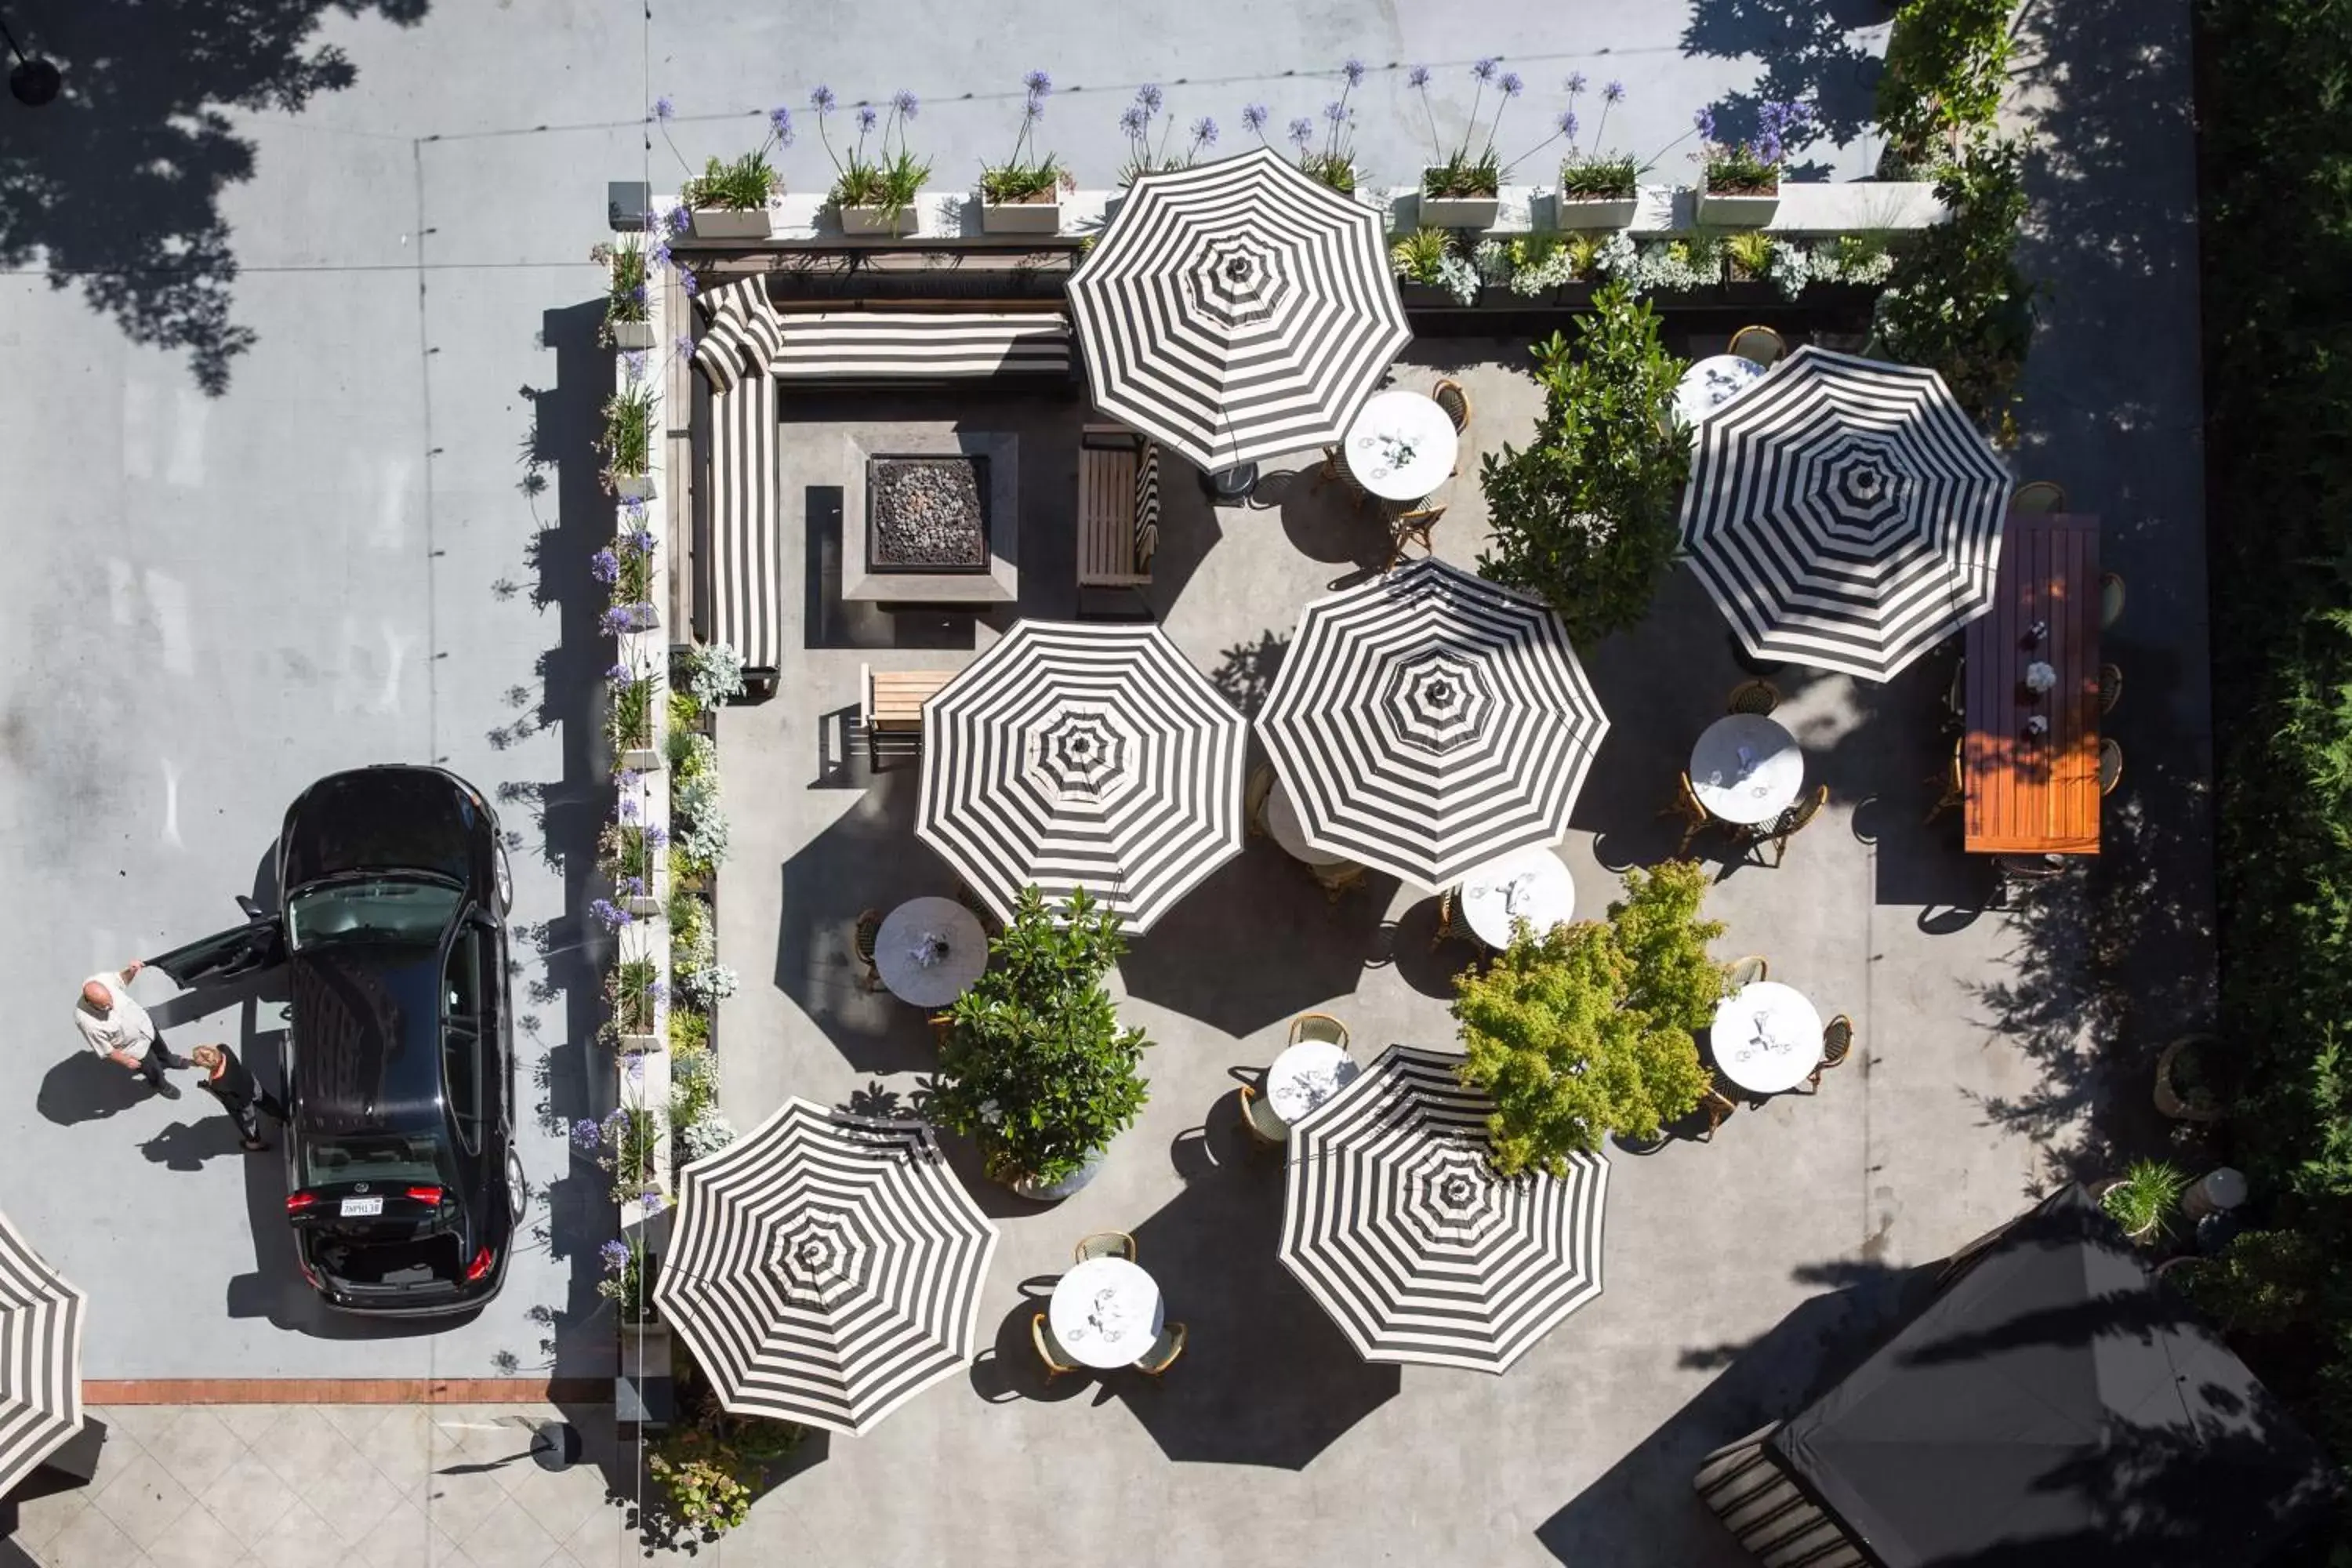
(920, 345)
(745, 573)
(744, 333)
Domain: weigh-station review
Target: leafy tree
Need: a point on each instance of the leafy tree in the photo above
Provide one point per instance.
(1583, 517)
(1585, 1030)
(1032, 1063)
(1946, 65)
(1957, 301)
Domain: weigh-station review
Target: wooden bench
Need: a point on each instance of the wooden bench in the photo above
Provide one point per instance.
(1118, 507)
(890, 703)
(2028, 794)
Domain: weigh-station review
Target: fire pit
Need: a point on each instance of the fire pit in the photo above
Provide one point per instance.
(927, 514)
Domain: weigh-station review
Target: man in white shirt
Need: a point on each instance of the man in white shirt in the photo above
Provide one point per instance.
(118, 1028)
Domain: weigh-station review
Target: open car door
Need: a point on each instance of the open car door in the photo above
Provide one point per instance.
(259, 943)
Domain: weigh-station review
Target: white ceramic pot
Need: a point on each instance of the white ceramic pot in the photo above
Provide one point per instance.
(631, 335)
(730, 222)
(876, 221)
(639, 1045)
(639, 760)
(633, 487)
(1594, 212)
(1735, 212)
(1456, 212)
(1019, 218)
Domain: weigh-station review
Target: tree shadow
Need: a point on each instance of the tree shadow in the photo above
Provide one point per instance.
(1826, 53)
(117, 186)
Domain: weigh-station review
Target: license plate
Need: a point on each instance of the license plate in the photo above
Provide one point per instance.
(352, 1206)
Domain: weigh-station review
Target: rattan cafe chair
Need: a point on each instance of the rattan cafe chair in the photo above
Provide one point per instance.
(1693, 812)
(1057, 1360)
(2111, 765)
(2041, 496)
(1759, 696)
(1954, 787)
(1762, 344)
(1746, 971)
(2111, 688)
(1164, 1351)
(1266, 1129)
(1717, 1107)
(1105, 1244)
(1413, 527)
(861, 942)
(2111, 599)
(1318, 1027)
(1837, 1044)
(1788, 824)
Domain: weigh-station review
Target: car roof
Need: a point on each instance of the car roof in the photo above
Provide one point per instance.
(370, 1042)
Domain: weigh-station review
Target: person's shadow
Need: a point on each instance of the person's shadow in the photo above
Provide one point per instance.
(186, 1145)
(87, 1086)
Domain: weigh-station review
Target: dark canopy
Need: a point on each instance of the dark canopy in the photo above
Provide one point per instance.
(2056, 1404)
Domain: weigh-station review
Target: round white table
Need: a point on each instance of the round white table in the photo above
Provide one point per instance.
(1767, 1037)
(1282, 821)
(1105, 1312)
(1710, 384)
(1746, 769)
(1401, 446)
(1531, 884)
(1307, 1075)
(930, 951)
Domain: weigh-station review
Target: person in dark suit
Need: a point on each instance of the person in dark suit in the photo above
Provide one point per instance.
(232, 1083)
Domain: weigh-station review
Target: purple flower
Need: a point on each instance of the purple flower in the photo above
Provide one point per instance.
(780, 121)
(1354, 71)
(1417, 77)
(1254, 116)
(1034, 108)
(636, 361)
(657, 836)
(1148, 95)
(822, 100)
(1302, 132)
(608, 915)
(620, 674)
(662, 110)
(684, 344)
(637, 293)
(905, 103)
(1484, 69)
(1567, 122)
(1205, 132)
(640, 538)
(618, 621)
(627, 810)
(1039, 83)
(1613, 93)
(866, 118)
(1512, 84)
(685, 282)
(654, 1201)
(659, 255)
(1335, 111)
(680, 220)
(604, 566)
(1132, 120)
(1575, 83)
(1767, 147)
(586, 1133)
(635, 887)
(636, 1070)
(615, 1253)
(1705, 121)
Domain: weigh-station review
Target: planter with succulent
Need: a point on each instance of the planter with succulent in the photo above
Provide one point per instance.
(1033, 1065)
(627, 297)
(2144, 1199)
(2188, 1079)
(1333, 160)
(874, 195)
(633, 714)
(627, 441)
(1143, 157)
(630, 1270)
(1748, 255)
(1596, 190)
(1022, 195)
(709, 1466)
(733, 200)
(1739, 181)
(635, 991)
(1463, 188)
(1431, 270)
(629, 852)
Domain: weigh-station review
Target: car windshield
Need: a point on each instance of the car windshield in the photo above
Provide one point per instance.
(391, 1159)
(379, 909)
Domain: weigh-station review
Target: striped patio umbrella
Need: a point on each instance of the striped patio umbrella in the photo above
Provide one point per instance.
(1090, 756)
(825, 1268)
(40, 1358)
(1844, 514)
(1428, 721)
(1399, 1227)
(1237, 310)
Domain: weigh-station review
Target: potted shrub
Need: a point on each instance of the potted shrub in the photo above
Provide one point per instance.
(627, 441)
(1585, 1030)
(2188, 1085)
(633, 995)
(1142, 156)
(876, 195)
(1748, 255)
(629, 852)
(1334, 161)
(1427, 261)
(629, 1274)
(1462, 189)
(1033, 1065)
(1019, 195)
(732, 200)
(1596, 190)
(708, 1465)
(1739, 181)
(2144, 1199)
(627, 297)
(632, 722)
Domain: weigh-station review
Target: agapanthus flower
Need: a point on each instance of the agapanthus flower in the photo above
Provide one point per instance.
(1705, 121)
(637, 293)
(639, 537)
(1302, 132)
(1148, 95)
(636, 1070)
(1511, 84)
(780, 122)
(1484, 69)
(586, 1133)
(604, 566)
(620, 674)
(687, 283)
(627, 808)
(1205, 132)
(822, 100)
(636, 361)
(660, 254)
(1417, 77)
(1131, 121)
(618, 621)
(1254, 116)
(654, 1200)
(1575, 83)
(616, 1255)
(1039, 83)
(680, 219)
(1335, 111)
(1567, 122)
(906, 103)
(608, 915)
(664, 108)
(1613, 93)
(684, 344)
(657, 836)
(866, 117)
(1354, 71)
(635, 887)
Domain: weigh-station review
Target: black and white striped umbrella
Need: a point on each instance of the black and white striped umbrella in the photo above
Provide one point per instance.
(1395, 1221)
(40, 1358)
(1844, 514)
(1237, 310)
(1428, 721)
(1090, 756)
(825, 1268)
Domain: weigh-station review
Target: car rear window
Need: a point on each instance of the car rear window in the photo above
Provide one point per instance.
(386, 1158)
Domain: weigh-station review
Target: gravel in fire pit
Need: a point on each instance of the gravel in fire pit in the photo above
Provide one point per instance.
(927, 513)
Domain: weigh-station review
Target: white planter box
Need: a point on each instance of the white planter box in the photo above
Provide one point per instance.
(640, 1045)
(730, 222)
(875, 221)
(1735, 212)
(1457, 212)
(1595, 212)
(631, 335)
(1019, 218)
(633, 487)
(639, 760)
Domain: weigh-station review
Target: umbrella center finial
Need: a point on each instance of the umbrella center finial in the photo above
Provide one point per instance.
(1457, 1191)
(1237, 269)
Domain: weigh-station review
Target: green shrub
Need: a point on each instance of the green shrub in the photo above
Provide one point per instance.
(1599, 177)
(1464, 174)
(628, 431)
(1335, 170)
(2144, 1201)
(1419, 256)
(688, 1030)
(1946, 63)
(1956, 301)
(743, 184)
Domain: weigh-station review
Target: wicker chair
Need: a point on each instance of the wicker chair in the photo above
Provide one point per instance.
(2111, 599)
(1266, 1129)
(2111, 687)
(1747, 971)
(1164, 1351)
(1335, 471)
(1955, 697)
(2041, 496)
(1837, 1043)
(1448, 394)
(1412, 527)
(1253, 795)
(1955, 788)
(980, 910)
(1318, 1027)
(1717, 1107)
(1762, 344)
(1049, 1349)
(1753, 697)
(1696, 818)
(2111, 765)
(2013, 871)
(1105, 1244)
(1445, 930)
(1338, 880)
(861, 942)
(1788, 824)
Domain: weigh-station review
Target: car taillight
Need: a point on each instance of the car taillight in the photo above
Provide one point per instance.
(298, 1202)
(425, 1195)
(479, 1267)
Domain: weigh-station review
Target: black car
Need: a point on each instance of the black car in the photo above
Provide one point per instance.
(402, 1186)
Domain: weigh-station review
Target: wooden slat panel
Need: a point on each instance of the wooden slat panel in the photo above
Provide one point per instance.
(900, 696)
(348, 1390)
(2029, 795)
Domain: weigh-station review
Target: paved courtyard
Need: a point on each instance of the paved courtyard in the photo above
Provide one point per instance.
(361, 535)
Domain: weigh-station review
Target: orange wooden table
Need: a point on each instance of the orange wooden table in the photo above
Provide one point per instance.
(2028, 794)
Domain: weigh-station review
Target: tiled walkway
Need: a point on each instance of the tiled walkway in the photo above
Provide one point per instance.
(313, 1486)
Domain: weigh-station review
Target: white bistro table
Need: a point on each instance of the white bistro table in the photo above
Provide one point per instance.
(1302, 1078)
(1401, 446)
(1710, 384)
(1746, 769)
(1282, 821)
(1767, 1037)
(930, 951)
(1531, 884)
(1105, 1312)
